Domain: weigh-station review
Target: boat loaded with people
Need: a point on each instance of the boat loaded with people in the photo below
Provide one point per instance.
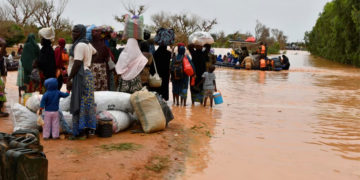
(251, 55)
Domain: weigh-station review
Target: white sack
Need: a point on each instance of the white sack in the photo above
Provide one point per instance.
(109, 100)
(121, 121)
(23, 118)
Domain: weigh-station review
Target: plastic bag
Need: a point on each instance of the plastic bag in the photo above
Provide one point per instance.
(24, 118)
(33, 102)
(165, 37)
(134, 28)
(65, 103)
(201, 38)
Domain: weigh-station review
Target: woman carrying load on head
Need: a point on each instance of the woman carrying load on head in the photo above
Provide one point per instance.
(81, 83)
(99, 62)
(199, 61)
(46, 62)
(29, 54)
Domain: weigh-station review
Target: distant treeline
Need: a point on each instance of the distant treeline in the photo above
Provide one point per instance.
(336, 35)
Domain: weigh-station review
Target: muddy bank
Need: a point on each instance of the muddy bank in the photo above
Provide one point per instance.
(124, 156)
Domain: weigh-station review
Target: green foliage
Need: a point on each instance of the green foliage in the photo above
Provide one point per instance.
(336, 35)
(274, 49)
(11, 32)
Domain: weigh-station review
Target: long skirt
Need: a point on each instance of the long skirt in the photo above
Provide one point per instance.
(197, 94)
(86, 119)
(185, 87)
(100, 76)
(130, 86)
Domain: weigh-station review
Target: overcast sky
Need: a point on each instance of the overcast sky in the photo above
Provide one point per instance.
(294, 17)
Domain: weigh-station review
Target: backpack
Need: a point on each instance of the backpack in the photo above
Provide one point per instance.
(177, 69)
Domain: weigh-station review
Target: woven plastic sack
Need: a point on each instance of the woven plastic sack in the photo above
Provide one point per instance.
(134, 27)
(165, 37)
(148, 111)
(116, 101)
(121, 121)
(201, 38)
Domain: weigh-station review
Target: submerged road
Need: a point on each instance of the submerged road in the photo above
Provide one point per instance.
(297, 124)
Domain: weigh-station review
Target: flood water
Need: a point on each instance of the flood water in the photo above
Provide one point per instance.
(297, 124)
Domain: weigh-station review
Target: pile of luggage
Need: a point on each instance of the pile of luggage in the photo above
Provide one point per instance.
(115, 109)
(22, 156)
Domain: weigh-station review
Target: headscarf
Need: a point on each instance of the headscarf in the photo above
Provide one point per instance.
(30, 53)
(181, 52)
(98, 43)
(58, 53)
(81, 39)
(46, 62)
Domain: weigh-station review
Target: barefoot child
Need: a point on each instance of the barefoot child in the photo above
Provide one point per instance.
(50, 101)
(209, 85)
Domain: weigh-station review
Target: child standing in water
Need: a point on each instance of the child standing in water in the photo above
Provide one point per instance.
(209, 85)
(50, 101)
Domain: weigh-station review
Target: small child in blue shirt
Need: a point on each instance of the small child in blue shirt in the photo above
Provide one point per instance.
(50, 101)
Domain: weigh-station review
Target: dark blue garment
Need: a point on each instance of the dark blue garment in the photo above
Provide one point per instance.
(50, 100)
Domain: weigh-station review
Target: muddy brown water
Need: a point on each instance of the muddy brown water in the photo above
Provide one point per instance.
(297, 124)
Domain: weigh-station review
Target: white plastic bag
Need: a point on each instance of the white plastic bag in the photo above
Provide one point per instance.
(65, 103)
(201, 38)
(33, 103)
(109, 100)
(23, 118)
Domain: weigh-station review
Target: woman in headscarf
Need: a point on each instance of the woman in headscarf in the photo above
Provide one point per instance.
(130, 64)
(180, 86)
(199, 61)
(46, 62)
(145, 73)
(30, 53)
(115, 52)
(99, 61)
(59, 50)
(81, 82)
(162, 60)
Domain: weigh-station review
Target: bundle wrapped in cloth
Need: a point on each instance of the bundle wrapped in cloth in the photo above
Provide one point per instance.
(201, 38)
(165, 37)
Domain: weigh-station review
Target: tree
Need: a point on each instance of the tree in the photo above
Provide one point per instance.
(21, 11)
(183, 24)
(11, 32)
(262, 33)
(48, 14)
(336, 34)
(133, 9)
(279, 36)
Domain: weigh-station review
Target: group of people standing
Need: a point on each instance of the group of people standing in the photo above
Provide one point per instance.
(90, 66)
